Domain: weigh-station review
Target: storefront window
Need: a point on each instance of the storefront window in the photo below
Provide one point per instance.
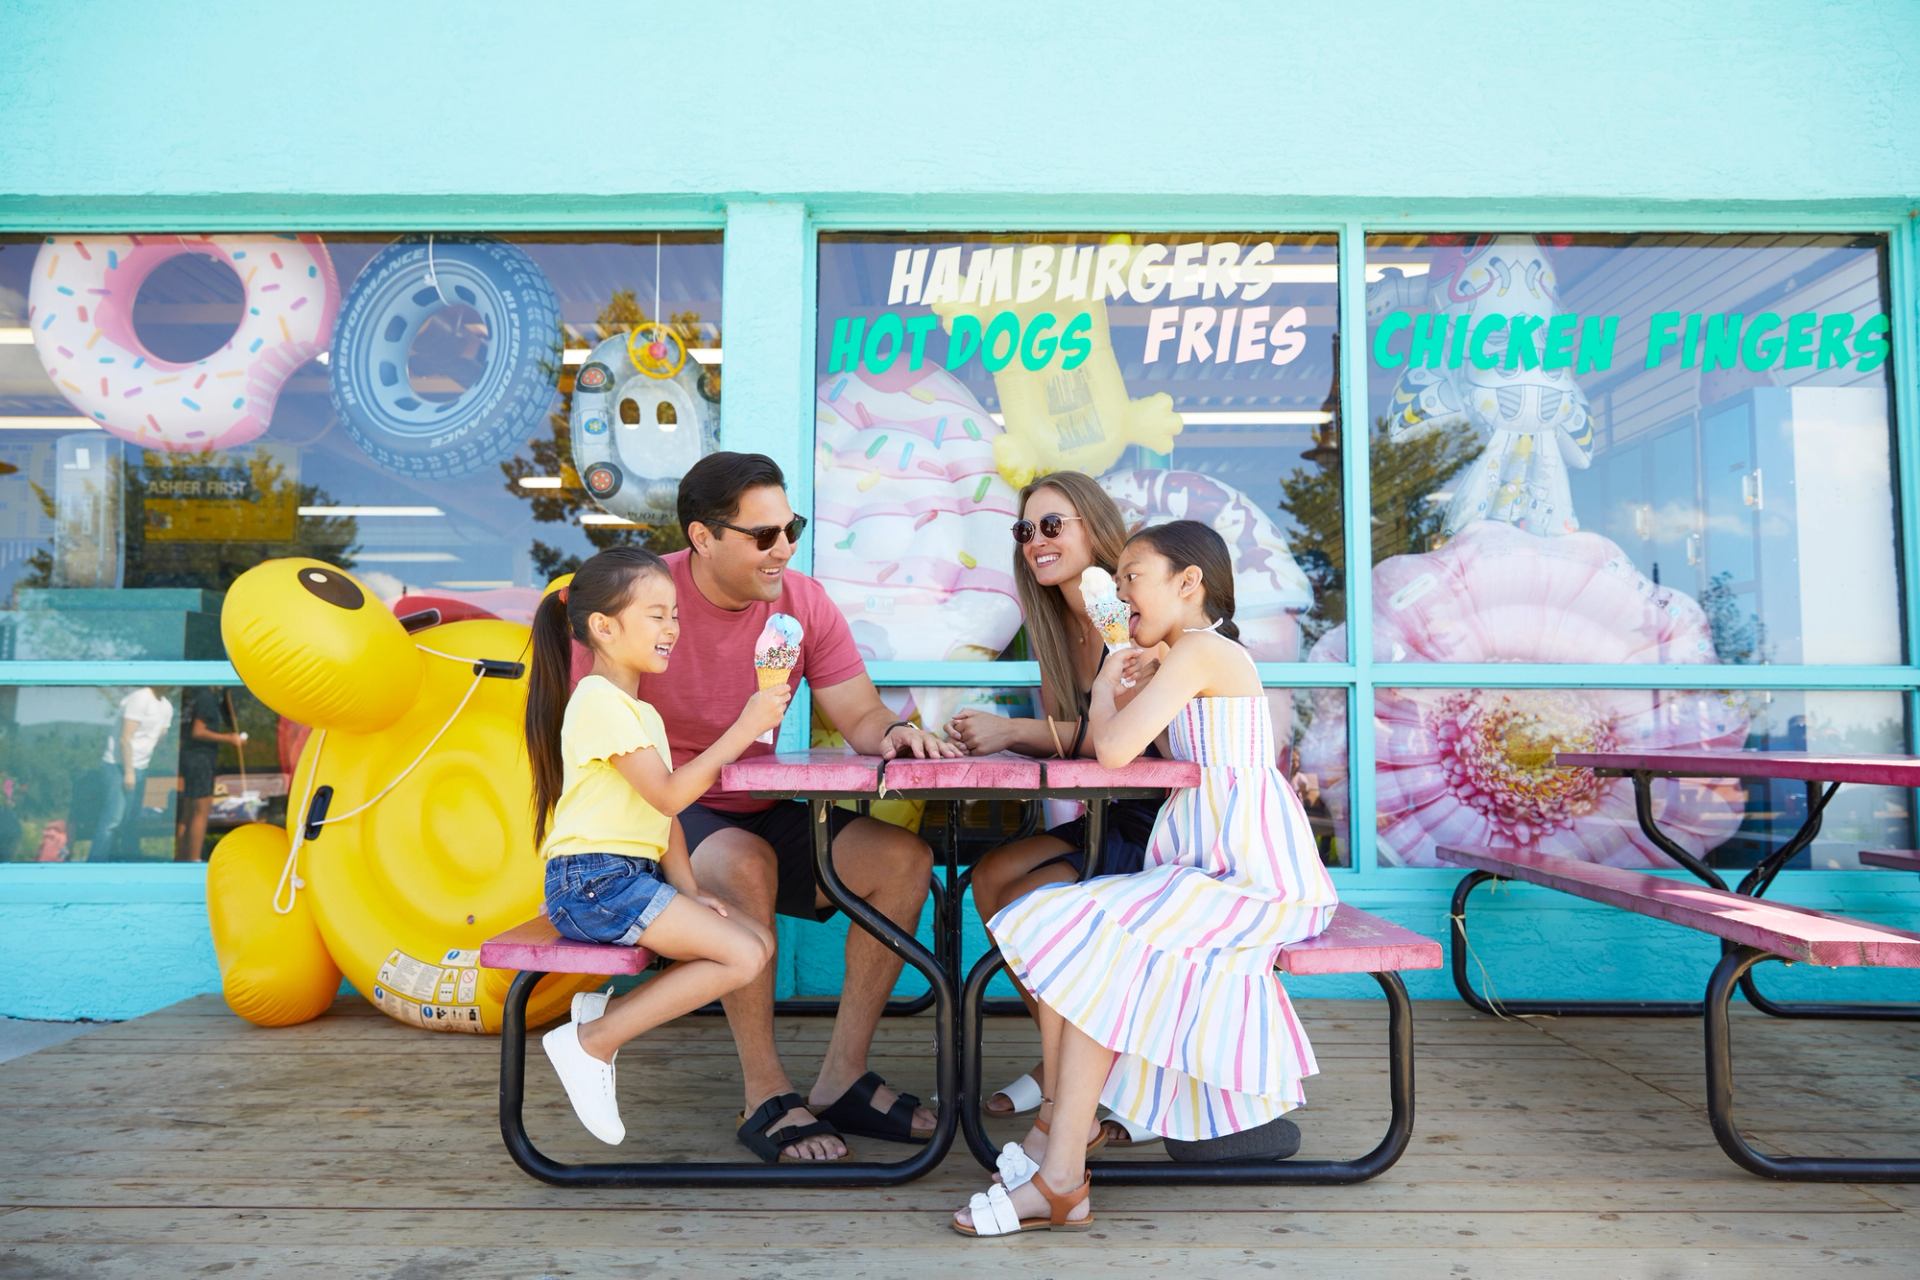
(1631, 449)
(1191, 375)
(175, 409)
(1473, 769)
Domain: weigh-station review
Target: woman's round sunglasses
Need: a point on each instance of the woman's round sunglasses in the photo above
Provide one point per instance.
(1050, 524)
(765, 536)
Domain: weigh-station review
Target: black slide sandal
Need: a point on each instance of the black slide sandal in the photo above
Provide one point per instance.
(754, 1137)
(853, 1112)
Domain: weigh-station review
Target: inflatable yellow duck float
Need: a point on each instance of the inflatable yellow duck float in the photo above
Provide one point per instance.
(409, 836)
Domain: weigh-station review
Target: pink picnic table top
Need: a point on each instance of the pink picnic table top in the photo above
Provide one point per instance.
(1797, 933)
(823, 773)
(1892, 859)
(1802, 766)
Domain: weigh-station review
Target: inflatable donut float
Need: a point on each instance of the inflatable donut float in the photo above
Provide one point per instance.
(639, 421)
(404, 286)
(80, 309)
(414, 867)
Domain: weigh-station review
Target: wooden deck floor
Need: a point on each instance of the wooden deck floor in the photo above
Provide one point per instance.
(187, 1143)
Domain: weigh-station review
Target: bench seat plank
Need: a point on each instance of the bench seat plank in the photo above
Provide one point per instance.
(1799, 766)
(1893, 859)
(538, 948)
(1358, 942)
(1796, 933)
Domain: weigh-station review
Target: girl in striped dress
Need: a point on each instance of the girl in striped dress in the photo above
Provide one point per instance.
(1157, 991)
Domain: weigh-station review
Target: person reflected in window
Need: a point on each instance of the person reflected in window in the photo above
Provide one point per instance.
(142, 718)
(209, 722)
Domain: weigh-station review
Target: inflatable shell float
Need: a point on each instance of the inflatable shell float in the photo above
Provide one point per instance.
(1473, 768)
(427, 845)
(913, 517)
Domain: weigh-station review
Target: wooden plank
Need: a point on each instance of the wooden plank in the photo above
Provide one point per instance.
(1798, 933)
(538, 946)
(864, 1227)
(800, 773)
(1148, 771)
(1802, 766)
(1892, 859)
(1000, 772)
(1359, 942)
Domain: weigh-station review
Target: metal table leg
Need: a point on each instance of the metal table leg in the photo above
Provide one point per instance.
(1225, 1172)
(839, 1173)
(1719, 1044)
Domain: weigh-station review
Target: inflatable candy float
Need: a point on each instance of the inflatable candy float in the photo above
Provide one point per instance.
(639, 420)
(1473, 768)
(401, 289)
(80, 308)
(1535, 419)
(409, 836)
(912, 520)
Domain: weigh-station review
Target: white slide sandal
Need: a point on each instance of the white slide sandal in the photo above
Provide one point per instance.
(1023, 1093)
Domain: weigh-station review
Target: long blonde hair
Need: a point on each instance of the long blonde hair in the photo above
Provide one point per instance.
(1045, 609)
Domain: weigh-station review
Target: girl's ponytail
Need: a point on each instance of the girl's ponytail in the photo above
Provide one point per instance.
(547, 691)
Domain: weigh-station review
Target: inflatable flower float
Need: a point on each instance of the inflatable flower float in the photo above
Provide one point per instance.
(1473, 768)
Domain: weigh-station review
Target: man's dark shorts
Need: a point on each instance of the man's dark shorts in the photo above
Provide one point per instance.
(785, 827)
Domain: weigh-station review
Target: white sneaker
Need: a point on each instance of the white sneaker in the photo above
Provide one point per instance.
(588, 1005)
(588, 1082)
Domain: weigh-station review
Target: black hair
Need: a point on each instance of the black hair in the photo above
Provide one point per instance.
(604, 584)
(710, 491)
(1188, 542)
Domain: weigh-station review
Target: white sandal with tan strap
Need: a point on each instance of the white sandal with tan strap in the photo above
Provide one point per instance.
(994, 1215)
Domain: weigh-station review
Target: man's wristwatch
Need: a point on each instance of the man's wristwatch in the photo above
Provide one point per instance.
(897, 724)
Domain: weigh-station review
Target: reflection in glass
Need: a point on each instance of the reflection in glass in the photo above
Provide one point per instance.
(68, 793)
(1676, 407)
(421, 441)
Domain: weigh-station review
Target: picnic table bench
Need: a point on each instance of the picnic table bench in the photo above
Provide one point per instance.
(1891, 859)
(1823, 776)
(1355, 942)
(1752, 930)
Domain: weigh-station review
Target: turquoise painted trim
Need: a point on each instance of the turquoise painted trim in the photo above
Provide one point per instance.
(115, 673)
(768, 321)
(1356, 439)
(1903, 276)
(1651, 676)
(836, 211)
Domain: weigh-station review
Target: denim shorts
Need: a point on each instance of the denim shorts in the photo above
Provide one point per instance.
(607, 898)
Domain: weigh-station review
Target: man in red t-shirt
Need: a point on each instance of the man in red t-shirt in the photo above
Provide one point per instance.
(757, 855)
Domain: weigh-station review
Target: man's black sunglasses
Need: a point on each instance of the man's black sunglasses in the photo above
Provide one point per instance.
(765, 535)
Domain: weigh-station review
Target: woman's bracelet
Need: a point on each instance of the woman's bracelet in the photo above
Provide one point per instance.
(1059, 752)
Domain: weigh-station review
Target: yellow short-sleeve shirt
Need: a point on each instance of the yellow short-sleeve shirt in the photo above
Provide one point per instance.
(598, 810)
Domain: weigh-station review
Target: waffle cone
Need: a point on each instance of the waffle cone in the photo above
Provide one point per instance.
(771, 676)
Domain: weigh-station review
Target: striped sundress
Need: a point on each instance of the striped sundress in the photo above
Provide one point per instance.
(1172, 967)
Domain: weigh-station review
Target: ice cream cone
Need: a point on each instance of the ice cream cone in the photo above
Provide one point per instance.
(768, 677)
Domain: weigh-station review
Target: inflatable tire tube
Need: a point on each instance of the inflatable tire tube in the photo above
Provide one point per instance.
(384, 310)
(274, 969)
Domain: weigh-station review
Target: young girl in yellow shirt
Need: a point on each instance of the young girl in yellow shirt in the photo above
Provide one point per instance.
(605, 796)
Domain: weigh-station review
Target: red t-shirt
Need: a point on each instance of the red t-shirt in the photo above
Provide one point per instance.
(701, 693)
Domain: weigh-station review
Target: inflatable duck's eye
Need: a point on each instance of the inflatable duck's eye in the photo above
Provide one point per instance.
(334, 588)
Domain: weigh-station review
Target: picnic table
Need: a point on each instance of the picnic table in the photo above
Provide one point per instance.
(1750, 929)
(1355, 943)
